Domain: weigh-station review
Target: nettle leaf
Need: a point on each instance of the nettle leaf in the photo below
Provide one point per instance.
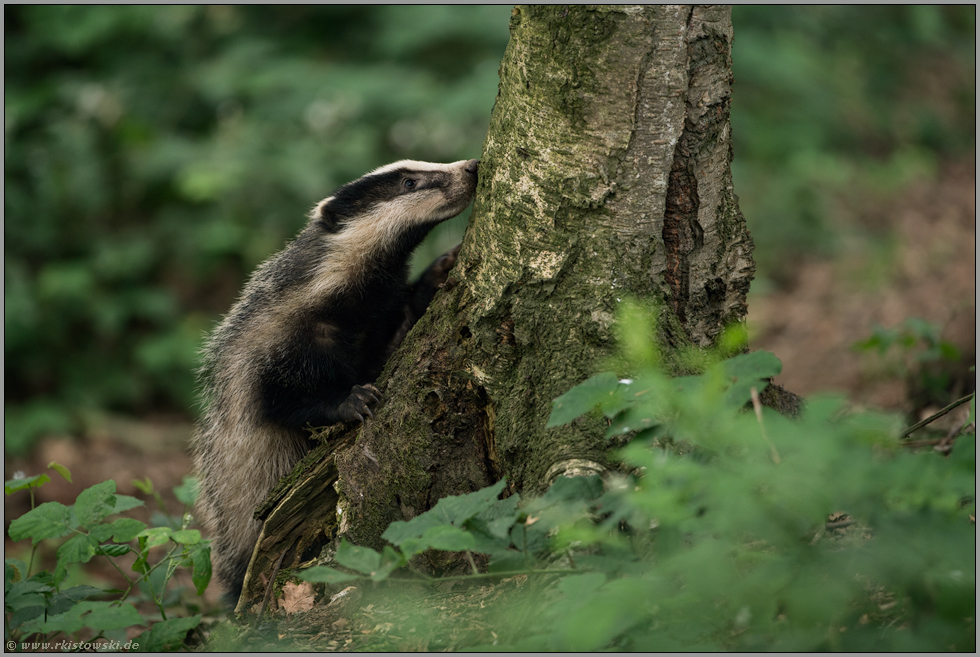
(100, 616)
(154, 536)
(95, 503)
(583, 398)
(443, 537)
(28, 597)
(457, 509)
(48, 520)
(454, 510)
(126, 529)
(637, 418)
(14, 485)
(62, 602)
(187, 536)
(167, 635)
(391, 560)
(747, 371)
(201, 559)
(326, 575)
(362, 559)
(80, 548)
(125, 503)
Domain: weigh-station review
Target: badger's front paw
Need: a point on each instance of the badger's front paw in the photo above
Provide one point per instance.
(358, 403)
(438, 271)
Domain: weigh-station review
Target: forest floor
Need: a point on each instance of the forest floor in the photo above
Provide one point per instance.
(917, 259)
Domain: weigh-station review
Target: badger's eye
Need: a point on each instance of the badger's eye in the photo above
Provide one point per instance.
(410, 183)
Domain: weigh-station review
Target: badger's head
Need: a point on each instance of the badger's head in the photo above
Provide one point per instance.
(405, 196)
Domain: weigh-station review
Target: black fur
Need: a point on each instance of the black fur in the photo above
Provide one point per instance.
(292, 354)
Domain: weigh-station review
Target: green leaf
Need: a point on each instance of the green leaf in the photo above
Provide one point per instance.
(747, 371)
(167, 635)
(28, 599)
(14, 570)
(581, 586)
(125, 503)
(755, 365)
(100, 616)
(327, 575)
(113, 549)
(391, 560)
(187, 536)
(60, 469)
(583, 398)
(126, 529)
(80, 548)
(95, 503)
(48, 520)
(144, 485)
(14, 485)
(201, 560)
(186, 492)
(362, 559)
(62, 602)
(454, 510)
(154, 536)
(442, 537)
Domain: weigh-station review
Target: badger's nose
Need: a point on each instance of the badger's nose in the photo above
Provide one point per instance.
(472, 166)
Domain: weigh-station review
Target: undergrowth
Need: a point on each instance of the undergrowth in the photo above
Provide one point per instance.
(728, 527)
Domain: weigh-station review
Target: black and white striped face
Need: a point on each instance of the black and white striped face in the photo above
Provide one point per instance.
(384, 214)
(400, 195)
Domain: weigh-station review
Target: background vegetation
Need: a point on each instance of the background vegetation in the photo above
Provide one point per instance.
(155, 154)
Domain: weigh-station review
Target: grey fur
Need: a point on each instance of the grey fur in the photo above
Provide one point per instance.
(311, 329)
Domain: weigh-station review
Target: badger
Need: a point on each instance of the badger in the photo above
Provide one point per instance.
(309, 334)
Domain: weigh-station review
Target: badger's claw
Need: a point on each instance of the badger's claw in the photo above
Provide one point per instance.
(358, 403)
(439, 270)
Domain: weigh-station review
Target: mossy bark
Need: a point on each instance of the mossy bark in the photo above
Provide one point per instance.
(605, 174)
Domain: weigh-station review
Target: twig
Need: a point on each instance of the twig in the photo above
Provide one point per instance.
(935, 416)
(271, 585)
(469, 555)
(840, 524)
(757, 405)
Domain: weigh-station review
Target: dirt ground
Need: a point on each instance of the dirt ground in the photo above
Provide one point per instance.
(928, 271)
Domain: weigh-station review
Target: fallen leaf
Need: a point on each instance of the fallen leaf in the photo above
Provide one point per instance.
(297, 597)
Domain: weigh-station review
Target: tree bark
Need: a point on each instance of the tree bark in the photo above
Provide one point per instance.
(605, 174)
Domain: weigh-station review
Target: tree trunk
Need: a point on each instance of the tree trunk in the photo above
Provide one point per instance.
(605, 174)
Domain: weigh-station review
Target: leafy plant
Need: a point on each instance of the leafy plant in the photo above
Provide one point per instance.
(726, 529)
(38, 606)
(914, 349)
(155, 155)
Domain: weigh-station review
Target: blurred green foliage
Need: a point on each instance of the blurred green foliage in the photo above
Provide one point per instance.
(155, 154)
(836, 107)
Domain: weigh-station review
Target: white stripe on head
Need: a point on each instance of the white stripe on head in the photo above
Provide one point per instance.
(415, 165)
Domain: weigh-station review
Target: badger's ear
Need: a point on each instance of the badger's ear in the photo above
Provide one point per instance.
(325, 216)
